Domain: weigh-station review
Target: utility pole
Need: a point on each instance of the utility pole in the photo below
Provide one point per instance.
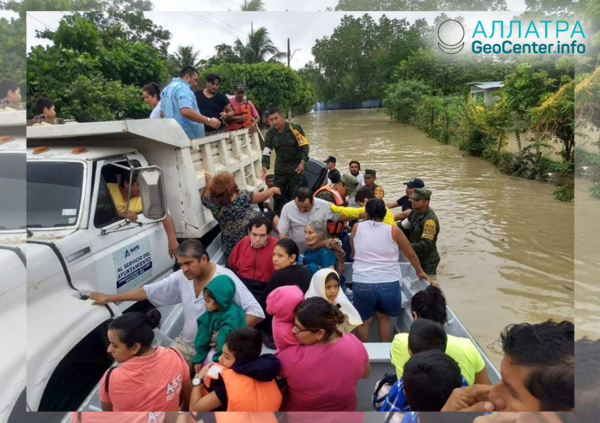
(289, 57)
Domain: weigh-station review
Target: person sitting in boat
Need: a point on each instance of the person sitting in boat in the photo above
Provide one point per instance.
(326, 284)
(376, 271)
(325, 365)
(252, 258)
(231, 206)
(221, 317)
(185, 287)
(127, 388)
(430, 378)
(287, 272)
(296, 214)
(431, 304)
(337, 194)
(321, 250)
(243, 380)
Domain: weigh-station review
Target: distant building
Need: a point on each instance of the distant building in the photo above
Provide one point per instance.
(483, 91)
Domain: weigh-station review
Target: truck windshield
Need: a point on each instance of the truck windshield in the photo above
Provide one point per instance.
(12, 191)
(53, 193)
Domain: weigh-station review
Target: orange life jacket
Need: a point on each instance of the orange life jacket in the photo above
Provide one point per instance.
(335, 228)
(237, 417)
(242, 109)
(247, 394)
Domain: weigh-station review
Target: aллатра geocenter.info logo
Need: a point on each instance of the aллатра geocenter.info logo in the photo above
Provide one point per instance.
(547, 37)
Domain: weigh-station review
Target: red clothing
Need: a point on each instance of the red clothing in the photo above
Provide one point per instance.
(252, 263)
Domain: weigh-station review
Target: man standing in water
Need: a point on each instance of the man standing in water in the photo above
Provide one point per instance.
(291, 146)
(355, 171)
(370, 177)
(423, 230)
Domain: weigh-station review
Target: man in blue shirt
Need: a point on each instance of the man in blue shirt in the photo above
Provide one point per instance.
(179, 102)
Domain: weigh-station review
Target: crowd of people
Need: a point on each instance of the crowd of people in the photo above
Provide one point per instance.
(286, 286)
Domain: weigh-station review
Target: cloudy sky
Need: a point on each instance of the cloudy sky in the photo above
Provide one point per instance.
(215, 25)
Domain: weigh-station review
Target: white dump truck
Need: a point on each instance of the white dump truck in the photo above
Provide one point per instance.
(12, 259)
(77, 242)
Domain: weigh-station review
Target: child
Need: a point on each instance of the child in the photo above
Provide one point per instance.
(429, 366)
(243, 380)
(362, 196)
(326, 284)
(45, 109)
(221, 317)
(10, 92)
(281, 304)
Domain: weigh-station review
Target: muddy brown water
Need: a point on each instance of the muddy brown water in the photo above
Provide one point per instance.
(507, 246)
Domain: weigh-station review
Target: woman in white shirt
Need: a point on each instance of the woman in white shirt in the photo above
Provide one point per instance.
(151, 93)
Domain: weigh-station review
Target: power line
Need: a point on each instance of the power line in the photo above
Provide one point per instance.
(217, 3)
(202, 19)
(47, 26)
(227, 24)
(235, 6)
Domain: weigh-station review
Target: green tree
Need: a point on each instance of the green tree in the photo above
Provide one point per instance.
(259, 48)
(120, 25)
(358, 59)
(185, 56)
(404, 98)
(24, 6)
(12, 50)
(253, 6)
(225, 54)
(82, 55)
(420, 5)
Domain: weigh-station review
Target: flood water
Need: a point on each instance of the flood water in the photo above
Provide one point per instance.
(507, 246)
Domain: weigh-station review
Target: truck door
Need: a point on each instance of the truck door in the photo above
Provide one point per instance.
(126, 255)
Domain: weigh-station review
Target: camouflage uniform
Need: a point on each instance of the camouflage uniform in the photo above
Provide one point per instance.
(288, 157)
(422, 234)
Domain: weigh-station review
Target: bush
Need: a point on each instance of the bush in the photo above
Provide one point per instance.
(476, 142)
(565, 193)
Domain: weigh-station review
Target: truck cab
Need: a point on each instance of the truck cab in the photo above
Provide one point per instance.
(78, 243)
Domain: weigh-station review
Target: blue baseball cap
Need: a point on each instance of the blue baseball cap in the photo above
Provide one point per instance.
(415, 183)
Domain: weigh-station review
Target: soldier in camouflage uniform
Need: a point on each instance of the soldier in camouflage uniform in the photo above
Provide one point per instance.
(423, 230)
(291, 148)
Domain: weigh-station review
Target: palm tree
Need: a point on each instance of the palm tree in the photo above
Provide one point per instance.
(253, 6)
(258, 48)
(185, 56)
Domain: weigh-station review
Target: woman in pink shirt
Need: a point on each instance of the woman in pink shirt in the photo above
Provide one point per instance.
(149, 378)
(323, 370)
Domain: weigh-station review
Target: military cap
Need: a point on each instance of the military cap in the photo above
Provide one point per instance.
(370, 173)
(350, 182)
(421, 194)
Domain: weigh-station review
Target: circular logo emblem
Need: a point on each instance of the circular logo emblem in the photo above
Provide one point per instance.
(451, 34)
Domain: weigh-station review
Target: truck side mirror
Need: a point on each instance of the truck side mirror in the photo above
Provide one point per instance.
(152, 191)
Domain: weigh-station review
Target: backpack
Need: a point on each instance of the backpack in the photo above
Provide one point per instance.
(382, 389)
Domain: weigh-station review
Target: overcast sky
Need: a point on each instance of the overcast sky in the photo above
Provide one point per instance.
(215, 25)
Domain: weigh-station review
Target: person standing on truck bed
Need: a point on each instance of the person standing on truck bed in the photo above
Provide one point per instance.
(186, 287)
(177, 101)
(291, 146)
(214, 103)
(245, 114)
(119, 194)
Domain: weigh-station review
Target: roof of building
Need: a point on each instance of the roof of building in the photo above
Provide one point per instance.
(487, 85)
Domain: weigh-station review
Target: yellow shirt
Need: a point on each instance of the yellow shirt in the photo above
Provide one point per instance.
(355, 212)
(461, 350)
(135, 204)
